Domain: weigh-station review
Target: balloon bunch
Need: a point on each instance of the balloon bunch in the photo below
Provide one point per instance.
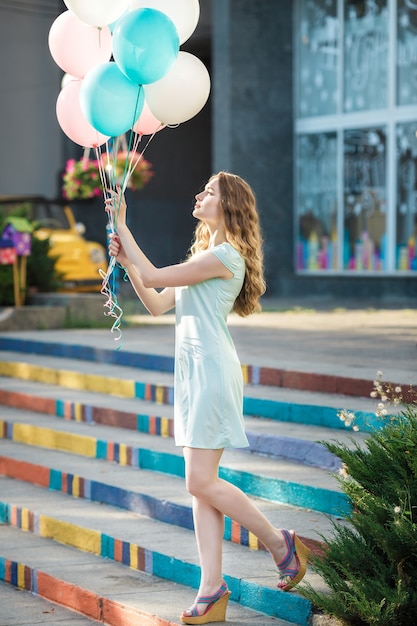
(125, 73)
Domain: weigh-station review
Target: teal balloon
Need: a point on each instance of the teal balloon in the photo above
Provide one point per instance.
(110, 101)
(145, 45)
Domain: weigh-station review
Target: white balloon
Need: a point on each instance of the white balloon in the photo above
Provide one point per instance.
(181, 93)
(98, 12)
(67, 78)
(184, 13)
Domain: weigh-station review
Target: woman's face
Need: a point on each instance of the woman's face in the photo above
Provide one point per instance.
(207, 207)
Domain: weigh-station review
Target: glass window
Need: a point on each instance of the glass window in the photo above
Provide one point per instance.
(317, 202)
(364, 242)
(317, 42)
(365, 55)
(407, 52)
(356, 143)
(406, 256)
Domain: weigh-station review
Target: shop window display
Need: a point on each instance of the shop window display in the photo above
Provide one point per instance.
(317, 201)
(365, 55)
(406, 224)
(364, 235)
(356, 143)
(318, 52)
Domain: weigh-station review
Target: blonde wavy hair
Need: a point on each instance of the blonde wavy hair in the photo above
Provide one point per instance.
(243, 232)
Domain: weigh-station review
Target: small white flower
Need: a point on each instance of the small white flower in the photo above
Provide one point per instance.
(398, 389)
(356, 428)
(397, 509)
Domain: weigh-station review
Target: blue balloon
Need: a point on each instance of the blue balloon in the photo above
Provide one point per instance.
(145, 45)
(110, 101)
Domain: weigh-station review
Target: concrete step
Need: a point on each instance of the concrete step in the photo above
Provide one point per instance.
(160, 496)
(263, 401)
(108, 592)
(145, 348)
(22, 608)
(290, 440)
(270, 478)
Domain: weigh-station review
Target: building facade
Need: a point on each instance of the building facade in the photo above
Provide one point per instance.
(314, 102)
(320, 114)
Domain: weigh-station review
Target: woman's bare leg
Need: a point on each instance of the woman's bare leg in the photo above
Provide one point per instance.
(211, 494)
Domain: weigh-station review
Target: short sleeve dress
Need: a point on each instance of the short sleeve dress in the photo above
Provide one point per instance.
(208, 391)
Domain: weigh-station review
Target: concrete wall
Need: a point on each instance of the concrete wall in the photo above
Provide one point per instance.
(30, 82)
(252, 114)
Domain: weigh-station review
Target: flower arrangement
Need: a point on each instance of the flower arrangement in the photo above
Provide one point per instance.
(117, 168)
(81, 179)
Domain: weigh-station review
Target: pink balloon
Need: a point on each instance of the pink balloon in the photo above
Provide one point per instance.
(71, 118)
(147, 123)
(76, 47)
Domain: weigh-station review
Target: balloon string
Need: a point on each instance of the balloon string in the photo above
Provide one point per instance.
(114, 309)
(107, 169)
(108, 286)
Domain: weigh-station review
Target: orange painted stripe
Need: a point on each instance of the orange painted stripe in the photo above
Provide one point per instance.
(118, 550)
(21, 470)
(152, 425)
(69, 595)
(235, 532)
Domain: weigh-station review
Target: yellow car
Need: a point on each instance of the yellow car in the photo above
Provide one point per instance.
(78, 260)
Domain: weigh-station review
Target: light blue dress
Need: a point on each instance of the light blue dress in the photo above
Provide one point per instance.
(208, 396)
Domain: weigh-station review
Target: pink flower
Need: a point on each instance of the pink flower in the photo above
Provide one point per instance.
(70, 165)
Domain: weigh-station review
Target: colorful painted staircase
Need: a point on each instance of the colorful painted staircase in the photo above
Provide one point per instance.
(94, 512)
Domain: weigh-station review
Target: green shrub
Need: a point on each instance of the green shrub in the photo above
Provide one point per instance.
(370, 562)
(41, 272)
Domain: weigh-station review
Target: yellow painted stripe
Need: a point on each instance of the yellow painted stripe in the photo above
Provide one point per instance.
(253, 541)
(46, 375)
(15, 370)
(5, 368)
(108, 385)
(25, 519)
(78, 412)
(98, 384)
(70, 534)
(21, 575)
(123, 388)
(159, 394)
(134, 561)
(54, 439)
(164, 427)
(245, 374)
(71, 379)
(76, 486)
(123, 454)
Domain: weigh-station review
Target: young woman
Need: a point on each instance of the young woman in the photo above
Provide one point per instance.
(223, 273)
